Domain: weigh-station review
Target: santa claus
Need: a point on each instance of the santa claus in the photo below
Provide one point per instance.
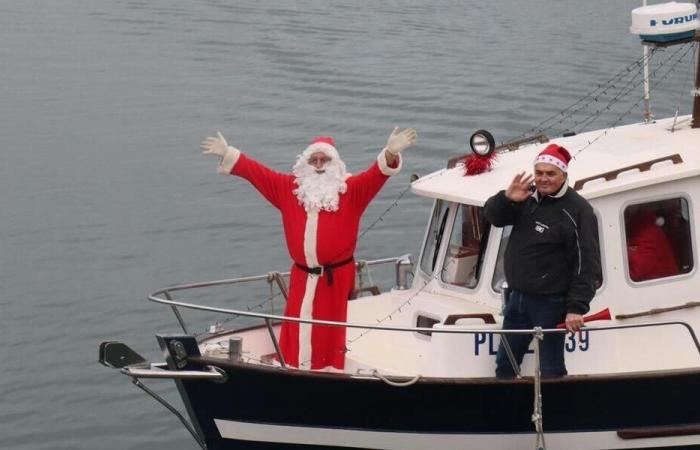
(321, 205)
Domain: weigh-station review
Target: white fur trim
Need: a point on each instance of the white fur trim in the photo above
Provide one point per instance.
(229, 160)
(310, 235)
(553, 160)
(323, 147)
(306, 312)
(307, 303)
(384, 167)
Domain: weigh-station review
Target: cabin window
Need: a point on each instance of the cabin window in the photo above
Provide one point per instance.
(426, 322)
(466, 247)
(658, 239)
(436, 229)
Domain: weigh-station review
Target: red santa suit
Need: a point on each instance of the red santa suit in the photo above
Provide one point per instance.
(315, 238)
(649, 251)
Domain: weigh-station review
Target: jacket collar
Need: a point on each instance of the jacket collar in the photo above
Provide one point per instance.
(560, 193)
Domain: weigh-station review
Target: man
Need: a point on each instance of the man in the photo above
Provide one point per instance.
(321, 205)
(552, 261)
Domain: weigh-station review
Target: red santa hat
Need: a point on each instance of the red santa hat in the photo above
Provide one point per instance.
(323, 144)
(555, 155)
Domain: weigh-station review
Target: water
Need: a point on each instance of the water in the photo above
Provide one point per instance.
(105, 196)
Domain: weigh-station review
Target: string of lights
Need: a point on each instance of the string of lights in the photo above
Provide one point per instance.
(670, 69)
(591, 96)
(628, 87)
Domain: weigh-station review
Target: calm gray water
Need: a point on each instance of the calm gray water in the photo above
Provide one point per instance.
(105, 196)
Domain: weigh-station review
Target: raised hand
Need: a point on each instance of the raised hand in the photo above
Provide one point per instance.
(400, 140)
(519, 189)
(214, 145)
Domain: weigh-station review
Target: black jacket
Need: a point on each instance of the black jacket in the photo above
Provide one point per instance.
(553, 247)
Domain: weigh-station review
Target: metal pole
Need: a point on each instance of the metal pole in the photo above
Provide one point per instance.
(511, 356)
(537, 406)
(647, 103)
(200, 441)
(166, 294)
(275, 343)
(696, 91)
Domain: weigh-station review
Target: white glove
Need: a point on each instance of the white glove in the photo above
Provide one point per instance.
(214, 145)
(400, 140)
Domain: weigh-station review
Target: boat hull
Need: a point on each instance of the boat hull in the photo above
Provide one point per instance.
(265, 408)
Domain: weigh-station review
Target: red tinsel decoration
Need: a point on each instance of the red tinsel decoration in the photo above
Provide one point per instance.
(475, 164)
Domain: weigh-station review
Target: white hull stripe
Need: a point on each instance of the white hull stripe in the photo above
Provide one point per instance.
(307, 302)
(381, 440)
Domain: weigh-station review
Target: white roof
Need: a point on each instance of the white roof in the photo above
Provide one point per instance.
(609, 149)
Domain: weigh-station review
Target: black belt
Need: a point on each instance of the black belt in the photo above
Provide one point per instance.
(326, 268)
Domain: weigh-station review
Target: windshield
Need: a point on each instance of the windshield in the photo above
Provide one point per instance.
(465, 252)
(436, 229)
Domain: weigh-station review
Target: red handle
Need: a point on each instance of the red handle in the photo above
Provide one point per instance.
(600, 315)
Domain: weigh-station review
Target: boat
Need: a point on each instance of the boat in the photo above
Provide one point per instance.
(420, 357)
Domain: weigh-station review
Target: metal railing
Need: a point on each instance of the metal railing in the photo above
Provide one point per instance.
(164, 297)
(271, 277)
(277, 318)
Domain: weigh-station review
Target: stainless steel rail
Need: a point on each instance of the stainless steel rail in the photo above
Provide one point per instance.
(272, 317)
(183, 287)
(163, 296)
(212, 373)
(218, 375)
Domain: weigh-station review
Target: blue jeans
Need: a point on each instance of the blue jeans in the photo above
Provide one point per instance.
(526, 311)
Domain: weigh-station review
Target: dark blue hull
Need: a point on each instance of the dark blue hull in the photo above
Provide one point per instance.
(655, 404)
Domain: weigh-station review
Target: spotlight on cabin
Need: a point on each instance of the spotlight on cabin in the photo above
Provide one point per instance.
(482, 143)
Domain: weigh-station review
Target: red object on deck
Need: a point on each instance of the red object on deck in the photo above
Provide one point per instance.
(600, 315)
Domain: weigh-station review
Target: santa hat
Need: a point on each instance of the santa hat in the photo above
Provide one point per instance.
(322, 144)
(555, 155)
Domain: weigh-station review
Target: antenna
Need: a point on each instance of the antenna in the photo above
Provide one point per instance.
(664, 25)
(647, 105)
(696, 91)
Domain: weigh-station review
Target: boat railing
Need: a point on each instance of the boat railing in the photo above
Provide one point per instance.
(403, 267)
(165, 297)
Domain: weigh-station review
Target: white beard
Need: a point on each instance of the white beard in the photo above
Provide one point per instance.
(320, 191)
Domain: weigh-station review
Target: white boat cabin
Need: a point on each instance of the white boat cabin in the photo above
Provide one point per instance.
(626, 173)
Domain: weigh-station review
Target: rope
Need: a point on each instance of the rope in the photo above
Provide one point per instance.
(537, 400)
(413, 380)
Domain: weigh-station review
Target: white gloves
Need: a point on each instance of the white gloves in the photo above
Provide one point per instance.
(228, 156)
(400, 140)
(214, 145)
